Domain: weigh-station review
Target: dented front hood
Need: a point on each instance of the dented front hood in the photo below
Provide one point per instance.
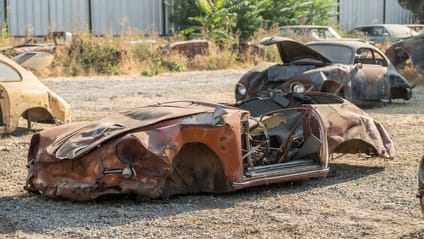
(78, 141)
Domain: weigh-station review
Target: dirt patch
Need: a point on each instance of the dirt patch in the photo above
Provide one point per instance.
(362, 197)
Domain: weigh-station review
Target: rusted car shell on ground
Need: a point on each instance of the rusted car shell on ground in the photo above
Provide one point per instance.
(420, 193)
(191, 147)
(412, 49)
(23, 95)
(361, 82)
(190, 48)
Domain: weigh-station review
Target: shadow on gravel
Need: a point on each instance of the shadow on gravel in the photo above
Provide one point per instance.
(21, 131)
(36, 214)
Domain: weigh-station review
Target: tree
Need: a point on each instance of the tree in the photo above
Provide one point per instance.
(294, 12)
(215, 21)
(220, 19)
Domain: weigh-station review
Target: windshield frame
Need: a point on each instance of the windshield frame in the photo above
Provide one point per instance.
(335, 58)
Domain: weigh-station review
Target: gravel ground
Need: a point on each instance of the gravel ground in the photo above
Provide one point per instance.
(361, 198)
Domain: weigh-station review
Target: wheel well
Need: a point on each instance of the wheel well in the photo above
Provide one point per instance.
(196, 168)
(355, 146)
(39, 115)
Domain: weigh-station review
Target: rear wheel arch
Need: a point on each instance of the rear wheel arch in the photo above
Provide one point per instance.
(354, 146)
(38, 114)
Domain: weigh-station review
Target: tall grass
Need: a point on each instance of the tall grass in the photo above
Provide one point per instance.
(137, 54)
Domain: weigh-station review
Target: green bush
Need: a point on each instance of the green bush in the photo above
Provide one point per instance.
(93, 55)
(165, 63)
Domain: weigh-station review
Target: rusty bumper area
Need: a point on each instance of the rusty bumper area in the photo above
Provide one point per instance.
(420, 193)
(122, 166)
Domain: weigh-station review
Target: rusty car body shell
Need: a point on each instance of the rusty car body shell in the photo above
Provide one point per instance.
(409, 49)
(23, 95)
(191, 147)
(420, 193)
(361, 82)
(190, 48)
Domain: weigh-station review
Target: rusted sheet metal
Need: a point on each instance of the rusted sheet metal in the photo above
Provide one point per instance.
(412, 49)
(23, 95)
(192, 48)
(350, 130)
(189, 48)
(191, 147)
(360, 72)
(420, 193)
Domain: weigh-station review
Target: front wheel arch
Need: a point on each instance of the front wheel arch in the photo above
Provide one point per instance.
(196, 168)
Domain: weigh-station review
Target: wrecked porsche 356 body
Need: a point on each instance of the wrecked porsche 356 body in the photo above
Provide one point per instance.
(352, 69)
(191, 147)
(23, 95)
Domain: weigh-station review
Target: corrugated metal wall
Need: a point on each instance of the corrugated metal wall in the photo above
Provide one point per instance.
(396, 14)
(69, 15)
(2, 13)
(38, 17)
(28, 17)
(118, 16)
(359, 12)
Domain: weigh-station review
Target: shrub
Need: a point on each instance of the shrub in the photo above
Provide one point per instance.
(94, 55)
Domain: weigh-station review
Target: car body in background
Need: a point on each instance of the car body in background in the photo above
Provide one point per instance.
(332, 66)
(309, 32)
(190, 48)
(48, 44)
(191, 147)
(23, 95)
(376, 69)
(380, 33)
(409, 49)
(419, 28)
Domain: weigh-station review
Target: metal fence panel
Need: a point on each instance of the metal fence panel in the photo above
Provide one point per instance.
(396, 14)
(28, 17)
(361, 12)
(116, 17)
(38, 17)
(2, 13)
(69, 15)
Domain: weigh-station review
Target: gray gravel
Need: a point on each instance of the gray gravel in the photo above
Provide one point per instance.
(361, 198)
